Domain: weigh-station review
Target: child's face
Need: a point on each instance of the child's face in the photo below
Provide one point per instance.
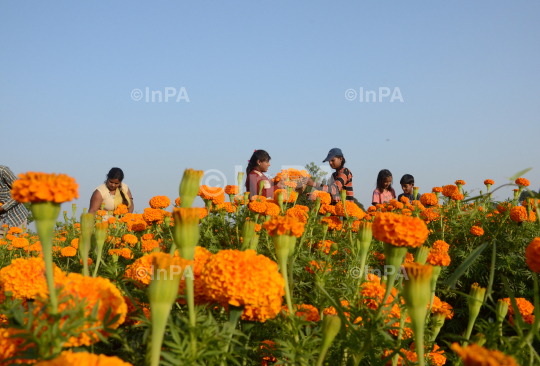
(387, 182)
(407, 188)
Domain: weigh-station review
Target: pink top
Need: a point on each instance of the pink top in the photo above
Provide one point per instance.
(386, 196)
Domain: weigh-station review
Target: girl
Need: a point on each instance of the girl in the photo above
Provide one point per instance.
(257, 166)
(112, 193)
(384, 191)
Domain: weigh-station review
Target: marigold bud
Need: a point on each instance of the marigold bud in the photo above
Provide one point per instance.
(189, 187)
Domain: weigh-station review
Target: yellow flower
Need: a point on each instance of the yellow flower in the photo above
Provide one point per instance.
(399, 230)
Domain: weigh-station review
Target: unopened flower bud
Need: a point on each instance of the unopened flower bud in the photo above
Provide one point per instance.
(421, 254)
(189, 187)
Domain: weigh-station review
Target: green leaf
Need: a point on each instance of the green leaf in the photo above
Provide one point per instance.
(466, 263)
(519, 174)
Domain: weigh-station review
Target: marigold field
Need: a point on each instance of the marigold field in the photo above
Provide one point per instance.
(447, 279)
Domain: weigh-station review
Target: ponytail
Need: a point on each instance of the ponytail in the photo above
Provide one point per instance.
(258, 155)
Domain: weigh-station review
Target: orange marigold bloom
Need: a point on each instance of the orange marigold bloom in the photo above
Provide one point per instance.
(100, 292)
(326, 247)
(442, 307)
(429, 199)
(474, 355)
(305, 311)
(477, 231)
(438, 258)
(458, 197)
(272, 209)
(502, 207)
(290, 199)
(148, 236)
(42, 187)
(319, 266)
(160, 202)
(233, 277)
(152, 214)
(325, 197)
(149, 245)
(531, 202)
(201, 257)
(15, 230)
(68, 251)
(11, 345)
(121, 210)
(332, 310)
(524, 306)
(523, 182)
(125, 253)
(25, 278)
(400, 230)
(69, 358)
(177, 201)
(436, 189)
(231, 189)
(430, 214)
(257, 207)
(334, 222)
(352, 210)
(130, 239)
(298, 212)
(459, 181)
(450, 190)
(519, 214)
(267, 347)
(489, 181)
(20, 242)
(284, 225)
(532, 255)
(141, 269)
(326, 208)
(214, 194)
(441, 245)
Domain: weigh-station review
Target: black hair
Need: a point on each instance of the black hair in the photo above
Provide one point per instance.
(117, 173)
(342, 161)
(407, 179)
(383, 174)
(258, 155)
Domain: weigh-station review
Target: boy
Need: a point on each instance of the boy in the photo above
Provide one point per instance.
(407, 184)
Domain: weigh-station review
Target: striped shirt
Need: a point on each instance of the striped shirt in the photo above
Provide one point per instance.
(341, 179)
(15, 212)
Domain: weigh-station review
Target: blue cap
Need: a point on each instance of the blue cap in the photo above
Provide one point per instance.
(332, 154)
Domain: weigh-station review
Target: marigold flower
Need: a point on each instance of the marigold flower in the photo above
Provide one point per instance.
(459, 182)
(244, 278)
(141, 270)
(267, 347)
(25, 278)
(257, 207)
(231, 189)
(41, 187)
(68, 251)
(531, 202)
(20, 242)
(489, 181)
(121, 210)
(325, 197)
(400, 230)
(477, 231)
(214, 194)
(502, 207)
(15, 230)
(130, 239)
(97, 291)
(519, 214)
(272, 209)
(449, 190)
(160, 202)
(352, 210)
(177, 201)
(457, 197)
(290, 199)
(532, 255)
(69, 358)
(474, 355)
(436, 189)
(430, 214)
(524, 306)
(299, 213)
(304, 311)
(522, 182)
(438, 258)
(334, 222)
(152, 215)
(284, 225)
(199, 260)
(149, 245)
(326, 208)
(429, 199)
(442, 307)
(441, 245)
(10, 346)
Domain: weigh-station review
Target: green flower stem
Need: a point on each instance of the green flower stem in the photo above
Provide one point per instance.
(417, 315)
(394, 257)
(160, 312)
(190, 299)
(282, 245)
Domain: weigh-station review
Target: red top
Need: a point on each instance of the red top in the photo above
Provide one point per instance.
(252, 184)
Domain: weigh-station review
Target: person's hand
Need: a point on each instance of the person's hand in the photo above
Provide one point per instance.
(310, 182)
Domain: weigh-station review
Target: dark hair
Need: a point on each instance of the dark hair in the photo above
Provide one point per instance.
(342, 162)
(258, 155)
(117, 173)
(383, 174)
(407, 179)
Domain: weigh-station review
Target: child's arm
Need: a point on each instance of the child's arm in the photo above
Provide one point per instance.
(337, 186)
(376, 199)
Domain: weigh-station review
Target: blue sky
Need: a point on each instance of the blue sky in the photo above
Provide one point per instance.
(270, 75)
